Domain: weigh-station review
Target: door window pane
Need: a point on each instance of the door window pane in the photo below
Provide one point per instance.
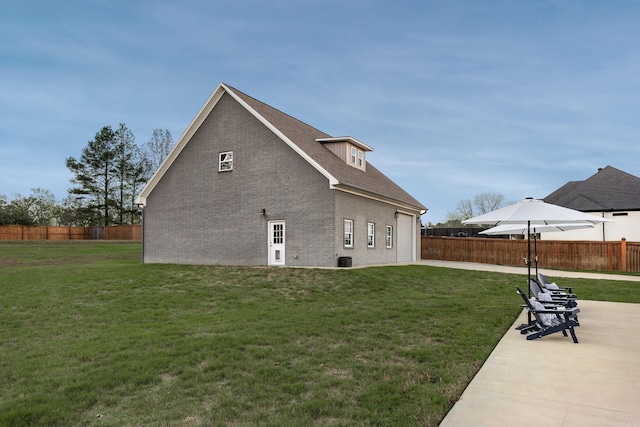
(278, 233)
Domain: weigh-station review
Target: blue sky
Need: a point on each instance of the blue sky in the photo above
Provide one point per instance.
(457, 98)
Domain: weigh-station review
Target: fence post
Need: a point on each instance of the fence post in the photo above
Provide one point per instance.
(623, 254)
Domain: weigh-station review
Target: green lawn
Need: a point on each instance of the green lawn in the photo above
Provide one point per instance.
(90, 336)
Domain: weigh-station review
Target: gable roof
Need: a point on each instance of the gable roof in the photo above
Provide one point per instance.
(301, 137)
(610, 189)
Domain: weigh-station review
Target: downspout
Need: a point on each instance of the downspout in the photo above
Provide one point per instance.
(142, 221)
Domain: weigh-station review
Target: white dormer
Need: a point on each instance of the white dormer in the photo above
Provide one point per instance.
(350, 150)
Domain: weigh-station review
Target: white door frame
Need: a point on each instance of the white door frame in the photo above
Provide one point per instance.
(276, 241)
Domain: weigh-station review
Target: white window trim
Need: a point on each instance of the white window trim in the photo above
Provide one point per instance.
(348, 231)
(225, 161)
(371, 235)
(389, 236)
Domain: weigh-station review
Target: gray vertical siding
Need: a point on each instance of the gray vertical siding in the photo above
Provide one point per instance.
(197, 215)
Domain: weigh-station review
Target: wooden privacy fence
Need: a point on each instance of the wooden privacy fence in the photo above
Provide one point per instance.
(24, 232)
(572, 255)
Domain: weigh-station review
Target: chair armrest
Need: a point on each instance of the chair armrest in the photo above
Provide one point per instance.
(569, 311)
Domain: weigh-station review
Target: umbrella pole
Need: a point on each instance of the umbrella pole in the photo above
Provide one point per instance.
(529, 256)
(529, 266)
(526, 327)
(535, 249)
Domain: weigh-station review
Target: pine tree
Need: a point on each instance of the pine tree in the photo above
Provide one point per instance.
(95, 175)
(129, 174)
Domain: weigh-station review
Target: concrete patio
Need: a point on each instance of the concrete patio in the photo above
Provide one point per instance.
(552, 381)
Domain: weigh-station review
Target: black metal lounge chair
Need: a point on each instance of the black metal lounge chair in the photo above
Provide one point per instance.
(549, 320)
(568, 300)
(549, 301)
(552, 287)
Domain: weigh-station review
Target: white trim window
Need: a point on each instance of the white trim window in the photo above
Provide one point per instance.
(353, 155)
(389, 236)
(371, 235)
(348, 233)
(225, 161)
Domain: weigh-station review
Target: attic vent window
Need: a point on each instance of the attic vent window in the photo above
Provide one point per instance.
(225, 161)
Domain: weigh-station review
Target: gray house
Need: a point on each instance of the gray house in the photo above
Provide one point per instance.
(247, 184)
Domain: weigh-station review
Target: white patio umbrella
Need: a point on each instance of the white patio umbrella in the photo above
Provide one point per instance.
(538, 228)
(534, 213)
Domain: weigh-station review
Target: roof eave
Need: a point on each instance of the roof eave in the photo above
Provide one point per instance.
(373, 196)
(349, 139)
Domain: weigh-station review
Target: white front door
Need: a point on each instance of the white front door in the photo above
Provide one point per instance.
(276, 243)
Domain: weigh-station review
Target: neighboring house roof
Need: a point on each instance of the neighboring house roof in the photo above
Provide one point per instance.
(301, 138)
(610, 189)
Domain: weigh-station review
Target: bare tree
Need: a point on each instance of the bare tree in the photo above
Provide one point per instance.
(155, 150)
(488, 202)
(464, 209)
(482, 203)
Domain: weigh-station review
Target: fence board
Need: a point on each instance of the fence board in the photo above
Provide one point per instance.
(122, 232)
(11, 232)
(23, 232)
(574, 255)
(633, 256)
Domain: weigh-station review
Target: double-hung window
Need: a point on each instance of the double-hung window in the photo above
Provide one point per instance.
(371, 235)
(348, 233)
(225, 161)
(389, 236)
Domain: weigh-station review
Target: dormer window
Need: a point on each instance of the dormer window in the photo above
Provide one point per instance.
(350, 150)
(356, 157)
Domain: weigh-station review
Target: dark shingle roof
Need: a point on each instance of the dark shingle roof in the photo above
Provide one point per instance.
(372, 181)
(610, 189)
